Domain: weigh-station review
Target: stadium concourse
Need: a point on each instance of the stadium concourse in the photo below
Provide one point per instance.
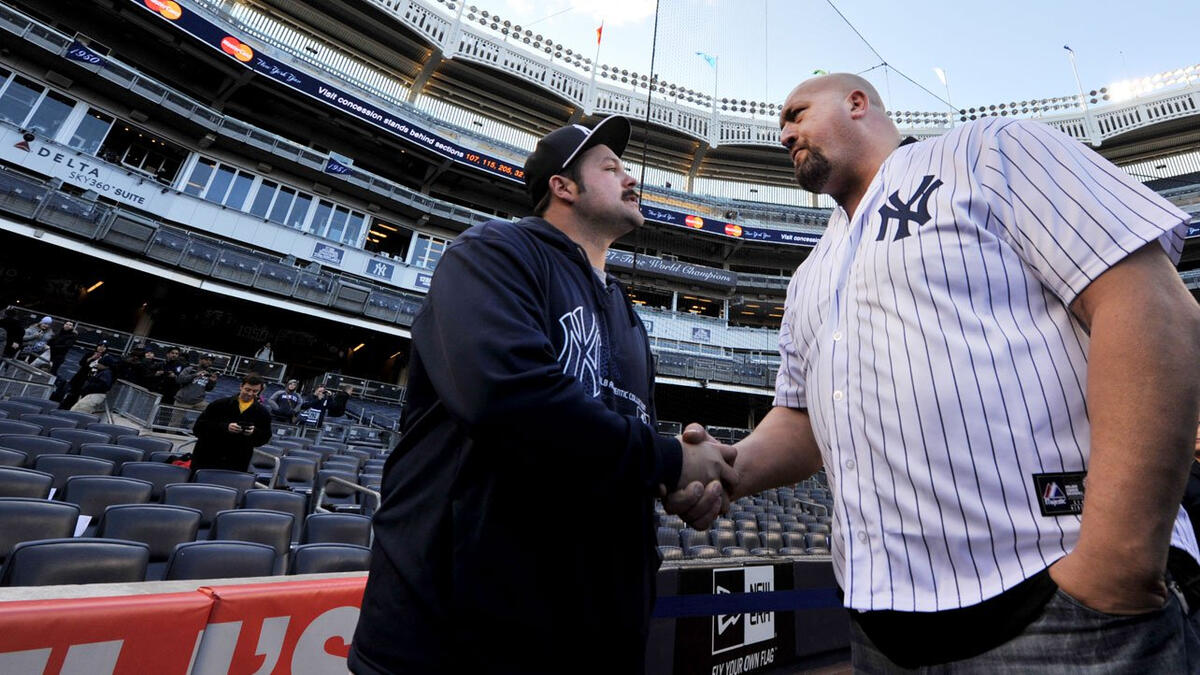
(216, 175)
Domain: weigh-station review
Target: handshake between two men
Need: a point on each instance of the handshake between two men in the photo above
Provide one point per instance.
(707, 479)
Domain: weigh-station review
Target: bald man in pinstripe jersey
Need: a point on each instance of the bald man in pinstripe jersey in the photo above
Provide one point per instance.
(993, 357)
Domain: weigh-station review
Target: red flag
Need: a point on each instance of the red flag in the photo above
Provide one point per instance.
(599, 33)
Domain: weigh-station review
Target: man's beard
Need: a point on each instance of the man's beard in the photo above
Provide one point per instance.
(813, 172)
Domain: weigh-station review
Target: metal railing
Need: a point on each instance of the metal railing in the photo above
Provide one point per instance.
(11, 386)
(349, 485)
(134, 402)
(19, 370)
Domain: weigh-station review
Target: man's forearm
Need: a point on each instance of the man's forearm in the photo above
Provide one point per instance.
(782, 450)
(1143, 394)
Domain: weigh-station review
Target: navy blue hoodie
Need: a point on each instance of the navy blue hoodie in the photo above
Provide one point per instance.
(516, 529)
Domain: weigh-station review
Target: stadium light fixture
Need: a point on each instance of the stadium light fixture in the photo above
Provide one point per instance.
(360, 346)
(94, 286)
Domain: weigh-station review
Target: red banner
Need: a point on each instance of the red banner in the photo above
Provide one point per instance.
(290, 627)
(131, 634)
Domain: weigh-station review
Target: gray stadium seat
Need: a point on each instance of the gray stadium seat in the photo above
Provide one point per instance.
(42, 404)
(282, 501)
(82, 419)
(147, 444)
(238, 480)
(93, 494)
(48, 422)
(17, 481)
(772, 541)
(63, 467)
(209, 499)
(34, 445)
(15, 409)
(158, 474)
(26, 519)
(9, 426)
(116, 453)
(323, 558)
(114, 431)
(668, 536)
(337, 497)
(817, 542)
(336, 528)
(296, 473)
(219, 560)
(272, 528)
(159, 526)
(10, 457)
(695, 544)
(51, 562)
(670, 552)
(77, 437)
(722, 540)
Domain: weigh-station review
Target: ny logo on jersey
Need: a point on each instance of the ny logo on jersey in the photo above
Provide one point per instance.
(580, 356)
(903, 211)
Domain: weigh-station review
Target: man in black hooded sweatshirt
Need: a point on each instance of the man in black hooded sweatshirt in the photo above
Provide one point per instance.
(530, 376)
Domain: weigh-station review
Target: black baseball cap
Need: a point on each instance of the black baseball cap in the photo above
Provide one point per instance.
(560, 147)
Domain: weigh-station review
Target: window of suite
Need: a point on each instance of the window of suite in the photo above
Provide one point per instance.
(90, 133)
(142, 151)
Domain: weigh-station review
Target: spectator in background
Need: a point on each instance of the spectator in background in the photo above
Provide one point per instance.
(337, 403)
(194, 382)
(316, 406)
(168, 383)
(61, 344)
(133, 367)
(230, 428)
(285, 403)
(265, 353)
(11, 329)
(95, 388)
(87, 366)
(35, 339)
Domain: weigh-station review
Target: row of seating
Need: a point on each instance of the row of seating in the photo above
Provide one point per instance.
(265, 519)
(716, 542)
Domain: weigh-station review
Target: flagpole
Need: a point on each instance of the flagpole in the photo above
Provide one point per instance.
(1087, 113)
(591, 98)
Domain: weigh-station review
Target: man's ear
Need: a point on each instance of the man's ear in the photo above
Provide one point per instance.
(858, 103)
(564, 188)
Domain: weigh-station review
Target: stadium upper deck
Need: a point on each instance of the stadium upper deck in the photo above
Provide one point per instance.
(245, 143)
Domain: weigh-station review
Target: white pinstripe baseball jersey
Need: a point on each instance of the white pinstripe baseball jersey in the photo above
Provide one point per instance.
(931, 342)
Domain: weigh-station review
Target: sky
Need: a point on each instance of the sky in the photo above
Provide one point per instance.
(990, 52)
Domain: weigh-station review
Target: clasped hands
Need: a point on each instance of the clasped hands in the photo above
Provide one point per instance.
(707, 480)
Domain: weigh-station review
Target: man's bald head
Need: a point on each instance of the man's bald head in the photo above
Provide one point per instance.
(840, 85)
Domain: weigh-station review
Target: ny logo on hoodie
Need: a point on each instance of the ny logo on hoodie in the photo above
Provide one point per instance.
(580, 356)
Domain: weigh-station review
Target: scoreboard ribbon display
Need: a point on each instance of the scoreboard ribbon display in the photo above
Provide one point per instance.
(238, 49)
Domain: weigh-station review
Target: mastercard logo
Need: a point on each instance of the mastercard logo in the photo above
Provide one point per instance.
(694, 221)
(733, 230)
(167, 8)
(236, 48)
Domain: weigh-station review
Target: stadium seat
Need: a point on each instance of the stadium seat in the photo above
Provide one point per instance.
(93, 494)
(772, 541)
(238, 480)
(338, 497)
(746, 526)
(26, 519)
(282, 501)
(147, 444)
(52, 562)
(296, 473)
(17, 481)
(347, 464)
(159, 526)
(15, 409)
(219, 560)
(160, 456)
(693, 542)
(10, 457)
(158, 474)
(116, 453)
(11, 426)
(299, 452)
(336, 528)
(82, 419)
(770, 526)
(324, 558)
(668, 536)
(723, 524)
(670, 552)
(208, 499)
(114, 431)
(324, 451)
(722, 540)
(264, 467)
(261, 526)
(77, 437)
(748, 540)
(48, 422)
(44, 405)
(63, 467)
(34, 445)
(672, 521)
(820, 528)
(817, 542)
